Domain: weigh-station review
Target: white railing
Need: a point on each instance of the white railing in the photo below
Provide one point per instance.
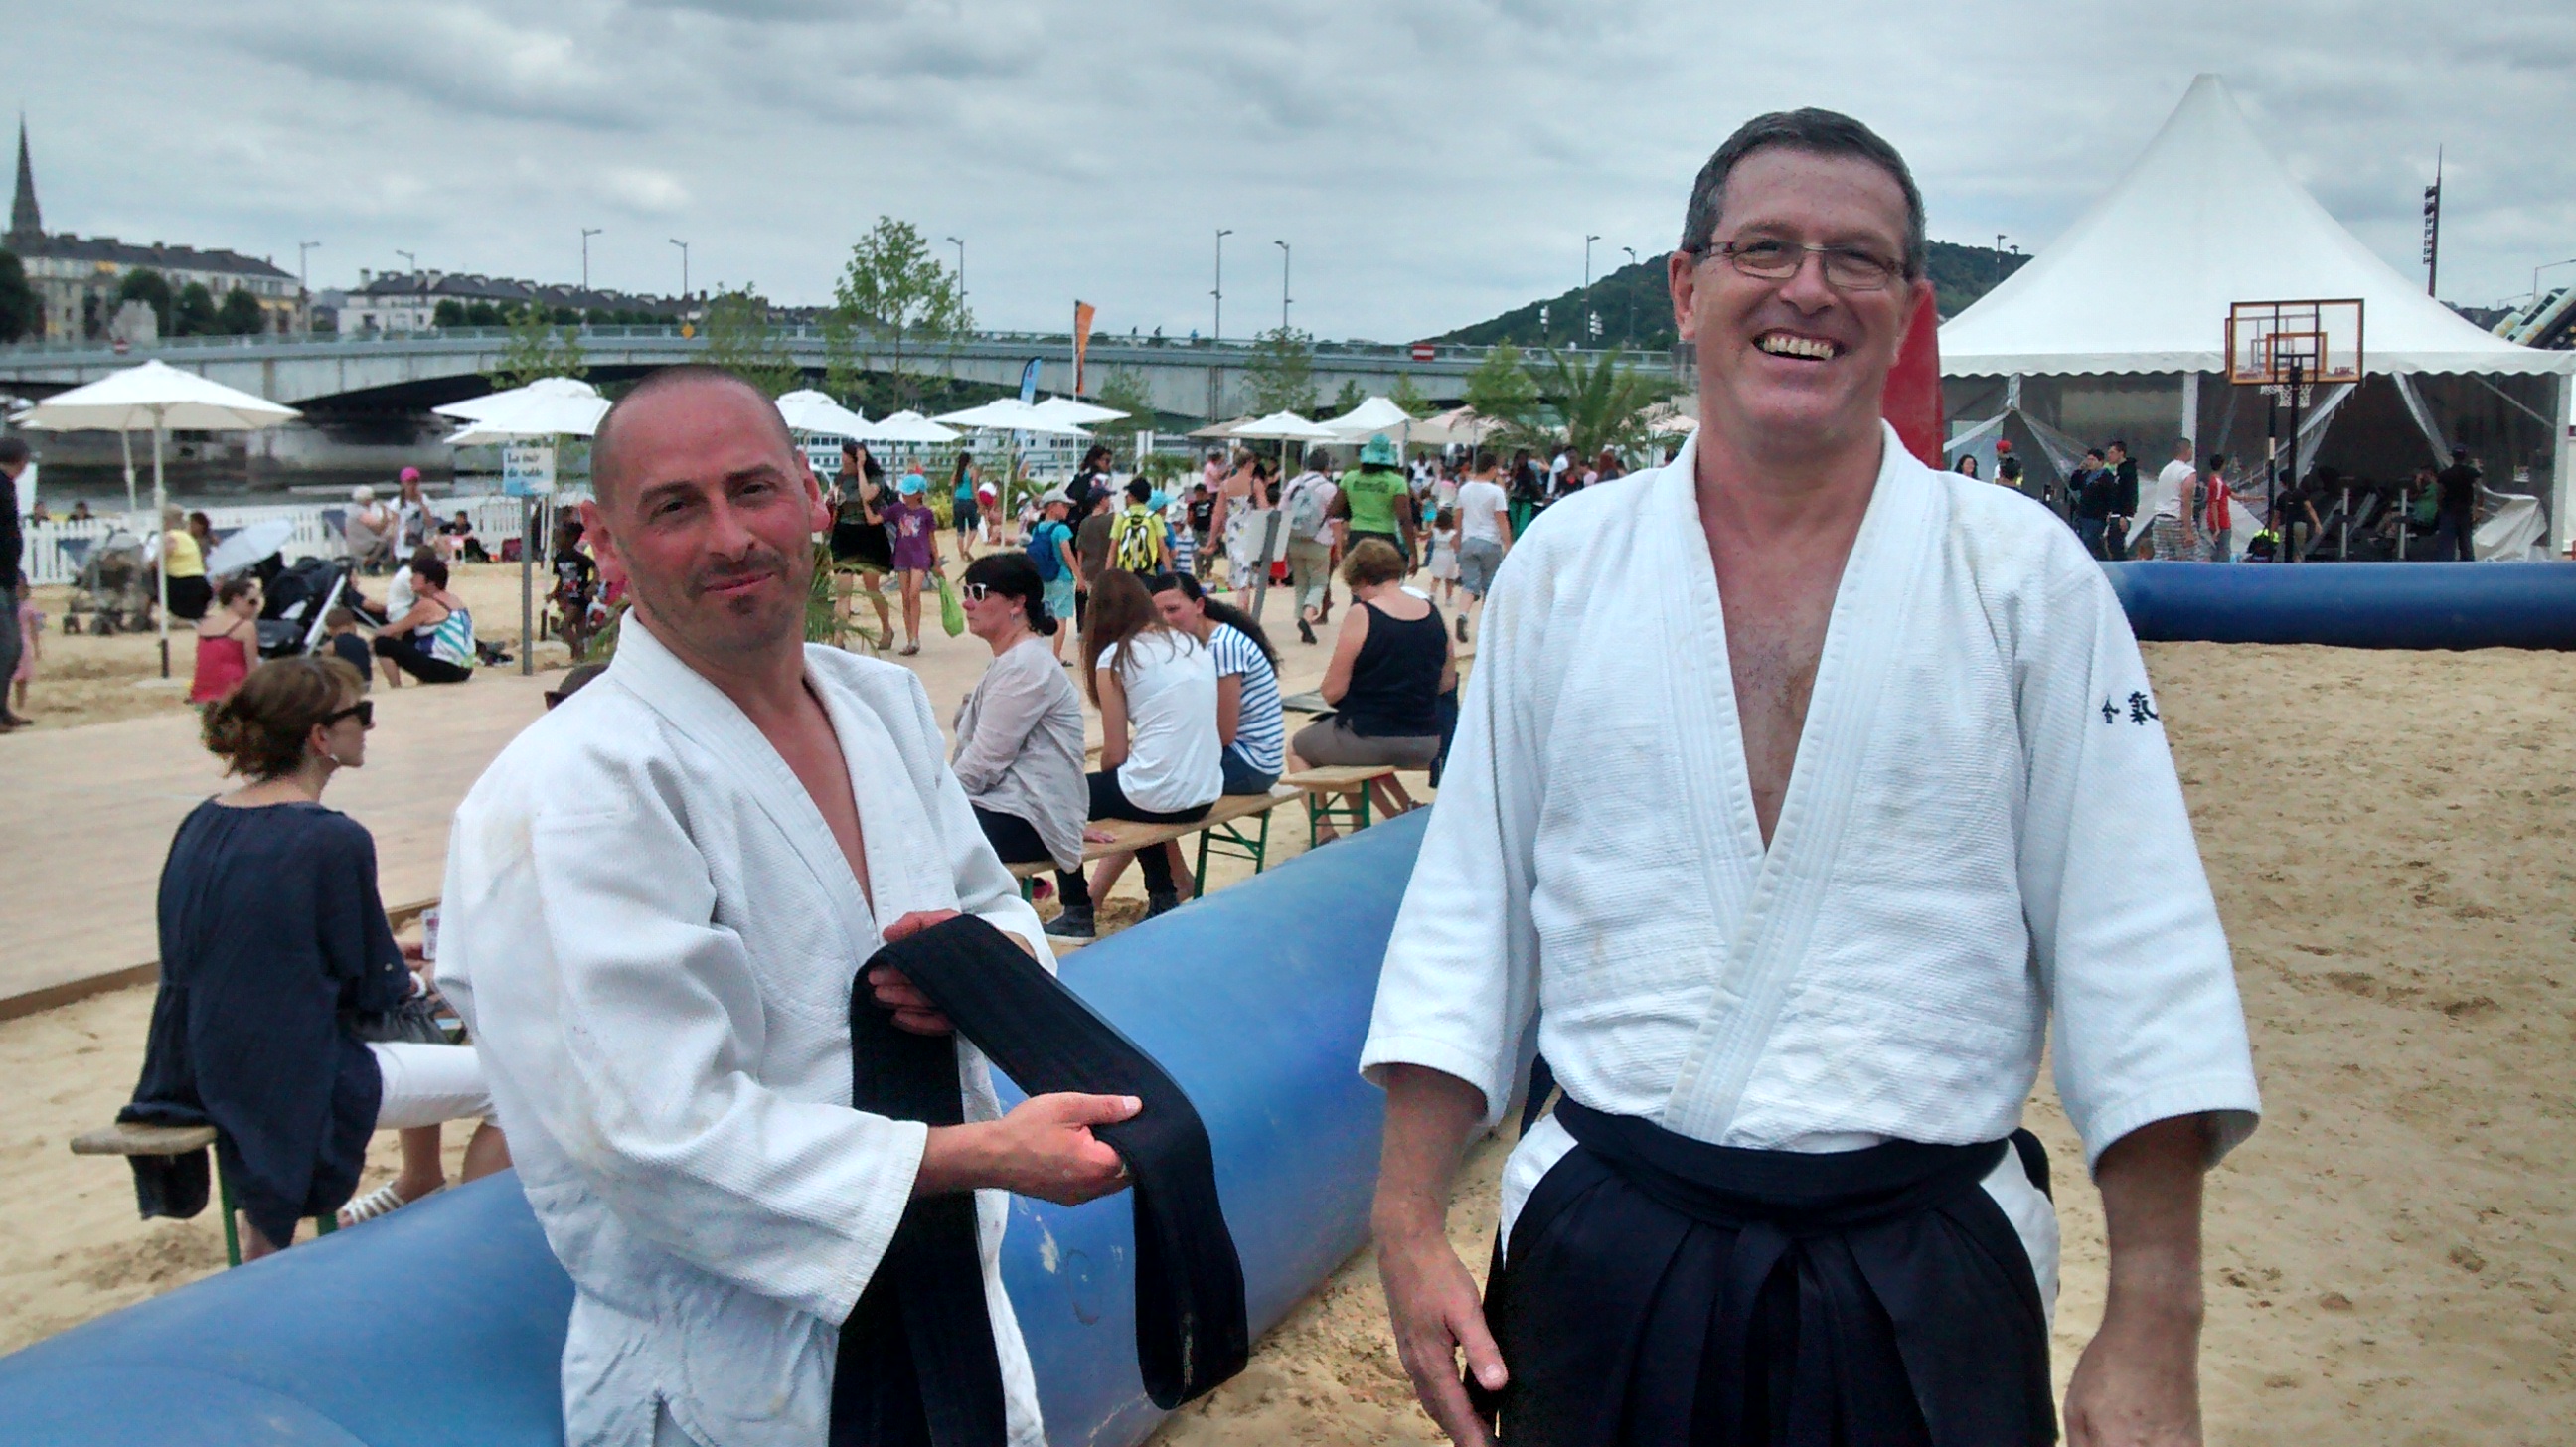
(317, 531)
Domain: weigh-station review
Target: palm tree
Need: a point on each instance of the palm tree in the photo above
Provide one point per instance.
(1600, 405)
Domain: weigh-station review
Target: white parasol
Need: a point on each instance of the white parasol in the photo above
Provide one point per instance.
(535, 410)
(475, 409)
(162, 398)
(1078, 412)
(908, 427)
(1010, 414)
(812, 411)
(248, 545)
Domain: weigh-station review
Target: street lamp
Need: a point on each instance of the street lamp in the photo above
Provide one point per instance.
(1999, 258)
(1216, 334)
(304, 280)
(1631, 319)
(684, 272)
(587, 232)
(961, 271)
(1285, 256)
(1583, 328)
(409, 260)
(2546, 266)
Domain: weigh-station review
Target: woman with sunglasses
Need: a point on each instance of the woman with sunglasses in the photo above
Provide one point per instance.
(1019, 734)
(288, 1018)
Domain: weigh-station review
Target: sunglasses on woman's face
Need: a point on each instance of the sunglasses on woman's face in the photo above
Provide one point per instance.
(364, 711)
(977, 592)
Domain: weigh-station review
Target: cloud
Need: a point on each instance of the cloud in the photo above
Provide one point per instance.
(1431, 162)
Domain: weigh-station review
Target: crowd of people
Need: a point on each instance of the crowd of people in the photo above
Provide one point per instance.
(2191, 511)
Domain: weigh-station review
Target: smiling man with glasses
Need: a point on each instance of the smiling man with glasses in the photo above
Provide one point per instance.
(1811, 782)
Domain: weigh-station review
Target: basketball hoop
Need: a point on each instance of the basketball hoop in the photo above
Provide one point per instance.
(2288, 349)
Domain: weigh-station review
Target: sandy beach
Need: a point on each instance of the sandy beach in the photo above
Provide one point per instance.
(2388, 1259)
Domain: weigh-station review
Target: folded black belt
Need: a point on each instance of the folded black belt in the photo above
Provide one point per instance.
(917, 1364)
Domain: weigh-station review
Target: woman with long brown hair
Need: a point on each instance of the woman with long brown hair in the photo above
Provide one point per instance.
(1159, 755)
(288, 1018)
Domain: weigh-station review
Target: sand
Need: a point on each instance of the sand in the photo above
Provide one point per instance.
(2389, 838)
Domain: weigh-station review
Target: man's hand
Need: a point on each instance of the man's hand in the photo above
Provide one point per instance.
(2138, 1383)
(1043, 1148)
(912, 1009)
(1431, 1300)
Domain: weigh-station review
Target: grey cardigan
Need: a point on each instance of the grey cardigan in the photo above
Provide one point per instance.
(1019, 747)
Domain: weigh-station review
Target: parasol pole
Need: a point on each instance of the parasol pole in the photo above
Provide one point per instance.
(125, 439)
(160, 505)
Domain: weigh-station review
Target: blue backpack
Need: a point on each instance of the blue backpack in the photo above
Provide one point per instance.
(1043, 552)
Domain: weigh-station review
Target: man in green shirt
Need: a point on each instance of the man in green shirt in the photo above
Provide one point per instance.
(1375, 502)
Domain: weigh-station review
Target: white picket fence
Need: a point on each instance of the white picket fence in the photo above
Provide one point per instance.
(317, 531)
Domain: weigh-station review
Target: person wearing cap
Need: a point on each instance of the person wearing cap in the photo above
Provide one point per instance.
(916, 550)
(1372, 501)
(1059, 570)
(411, 512)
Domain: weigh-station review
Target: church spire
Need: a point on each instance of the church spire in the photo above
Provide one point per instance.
(26, 223)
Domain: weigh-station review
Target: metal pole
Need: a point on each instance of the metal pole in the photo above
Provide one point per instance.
(2343, 547)
(1583, 328)
(2405, 516)
(125, 440)
(1216, 334)
(1269, 540)
(1285, 256)
(2290, 529)
(160, 504)
(684, 273)
(587, 232)
(527, 586)
(303, 286)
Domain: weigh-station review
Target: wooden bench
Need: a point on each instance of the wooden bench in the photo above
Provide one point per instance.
(1221, 832)
(128, 1139)
(1340, 795)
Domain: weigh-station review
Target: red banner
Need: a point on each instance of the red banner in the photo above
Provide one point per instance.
(1083, 311)
(1912, 402)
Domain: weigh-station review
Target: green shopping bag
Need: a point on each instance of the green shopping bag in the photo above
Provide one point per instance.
(952, 615)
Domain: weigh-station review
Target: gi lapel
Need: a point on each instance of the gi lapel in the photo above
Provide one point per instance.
(1768, 942)
(706, 717)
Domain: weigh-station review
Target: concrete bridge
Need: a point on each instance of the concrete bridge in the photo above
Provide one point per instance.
(409, 372)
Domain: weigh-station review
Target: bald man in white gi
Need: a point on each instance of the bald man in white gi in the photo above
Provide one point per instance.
(658, 899)
(1797, 785)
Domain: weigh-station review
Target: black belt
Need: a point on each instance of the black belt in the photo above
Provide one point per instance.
(917, 1362)
(1661, 1289)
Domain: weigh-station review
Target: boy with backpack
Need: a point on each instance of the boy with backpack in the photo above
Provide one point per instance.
(1136, 539)
(1308, 502)
(1051, 553)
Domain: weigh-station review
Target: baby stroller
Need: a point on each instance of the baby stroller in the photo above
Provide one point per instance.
(290, 621)
(113, 592)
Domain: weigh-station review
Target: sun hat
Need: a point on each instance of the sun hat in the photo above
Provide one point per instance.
(1379, 452)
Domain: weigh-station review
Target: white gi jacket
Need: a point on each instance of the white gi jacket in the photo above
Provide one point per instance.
(1983, 825)
(653, 936)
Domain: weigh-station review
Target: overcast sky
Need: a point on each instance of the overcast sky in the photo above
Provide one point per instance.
(1431, 162)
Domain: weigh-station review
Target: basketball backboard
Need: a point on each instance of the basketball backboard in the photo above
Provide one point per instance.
(2319, 340)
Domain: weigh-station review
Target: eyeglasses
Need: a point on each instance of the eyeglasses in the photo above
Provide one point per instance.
(1847, 268)
(977, 592)
(364, 711)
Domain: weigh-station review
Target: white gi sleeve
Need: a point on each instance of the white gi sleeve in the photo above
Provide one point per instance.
(2124, 932)
(632, 1037)
(1460, 981)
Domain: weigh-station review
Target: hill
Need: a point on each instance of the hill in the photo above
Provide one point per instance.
(1636, 313)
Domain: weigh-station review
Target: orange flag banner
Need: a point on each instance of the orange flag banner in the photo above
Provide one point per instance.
(1083, 311)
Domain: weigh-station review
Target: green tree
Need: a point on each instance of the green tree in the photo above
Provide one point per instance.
(1503, 392)
(894, 285)
(1124, 390)
(842, 377)
(450, 313)
(1282, 372)
(192, 313)
(536, 349)
(20, 316)
(1602, 404)
(1409, 396)
(743, 340)
(240, 314)
(1344, 400)
(150, 287)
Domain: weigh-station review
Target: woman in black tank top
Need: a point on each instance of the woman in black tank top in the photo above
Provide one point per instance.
(1391, 663)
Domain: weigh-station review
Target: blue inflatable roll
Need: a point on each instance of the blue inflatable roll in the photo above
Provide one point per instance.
(2352, 605)
(443, 1324)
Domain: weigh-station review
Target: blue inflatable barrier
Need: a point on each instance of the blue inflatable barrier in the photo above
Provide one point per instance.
(2352, 605)
(443, 1324)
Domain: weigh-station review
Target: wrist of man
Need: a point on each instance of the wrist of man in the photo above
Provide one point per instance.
(958, 1158)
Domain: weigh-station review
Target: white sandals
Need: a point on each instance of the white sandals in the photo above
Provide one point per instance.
(382, 1201)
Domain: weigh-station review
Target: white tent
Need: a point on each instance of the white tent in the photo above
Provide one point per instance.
(2207, 217)
(1375, 415)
